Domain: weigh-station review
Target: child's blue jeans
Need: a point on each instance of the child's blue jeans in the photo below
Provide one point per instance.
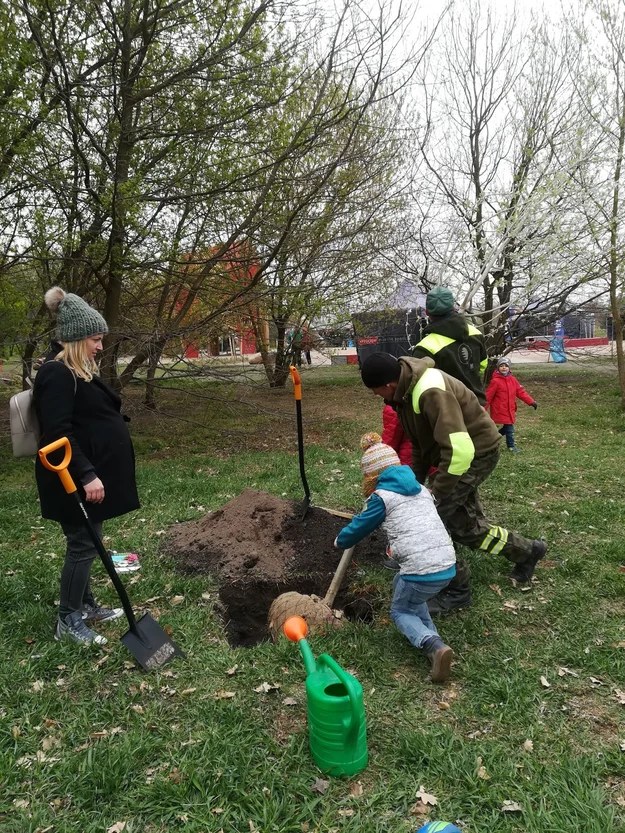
(409, 608)
(507, 431)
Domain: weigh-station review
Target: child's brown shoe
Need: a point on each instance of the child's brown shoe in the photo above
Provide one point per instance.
(441, 664)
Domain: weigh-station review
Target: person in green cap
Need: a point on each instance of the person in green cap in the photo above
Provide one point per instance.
(72, 401)
(456, 346)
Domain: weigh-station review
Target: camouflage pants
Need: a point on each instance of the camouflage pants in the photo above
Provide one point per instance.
(464, 518)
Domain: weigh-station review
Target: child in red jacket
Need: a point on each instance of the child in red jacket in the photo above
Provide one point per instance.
(501, 395)
(393, 435)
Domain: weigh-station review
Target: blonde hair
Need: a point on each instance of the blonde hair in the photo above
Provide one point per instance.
(74, 356)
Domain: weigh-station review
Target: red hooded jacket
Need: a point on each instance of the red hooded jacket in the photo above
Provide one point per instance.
(393, 435)
(501, 395)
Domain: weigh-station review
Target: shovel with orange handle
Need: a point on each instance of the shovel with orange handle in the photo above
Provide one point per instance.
(297, 392)
(145, 639)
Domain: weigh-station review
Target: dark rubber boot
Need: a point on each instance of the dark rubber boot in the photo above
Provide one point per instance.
(450, 600)
(524, 570)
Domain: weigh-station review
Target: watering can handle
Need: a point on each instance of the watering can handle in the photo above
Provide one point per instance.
(344, 677)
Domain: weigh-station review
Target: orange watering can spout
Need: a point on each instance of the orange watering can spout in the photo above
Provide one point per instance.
(295, 628)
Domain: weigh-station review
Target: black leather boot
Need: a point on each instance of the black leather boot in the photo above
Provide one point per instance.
(450, 600)
(524, 570)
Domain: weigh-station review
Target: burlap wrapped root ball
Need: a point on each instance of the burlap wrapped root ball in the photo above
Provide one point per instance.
(311, 608)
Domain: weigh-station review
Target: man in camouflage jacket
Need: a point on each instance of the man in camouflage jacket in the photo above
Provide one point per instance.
(451, 433)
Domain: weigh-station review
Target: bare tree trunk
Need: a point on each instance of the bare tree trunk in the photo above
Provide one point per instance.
(614, 252)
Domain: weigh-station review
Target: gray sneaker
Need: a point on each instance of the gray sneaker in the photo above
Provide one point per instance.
(96, 613)
(73, 627)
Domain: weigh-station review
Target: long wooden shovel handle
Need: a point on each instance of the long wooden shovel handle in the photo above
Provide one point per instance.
(339, 575)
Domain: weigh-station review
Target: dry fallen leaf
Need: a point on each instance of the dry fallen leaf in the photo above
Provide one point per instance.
(426, 798)
(320, 785)
(346, 813)
(419, 809)
(176, 600)
(620, 696)
(118, 827)
(356, 790)
(187, 691)
(512, 607)
(562, 671)
(528, 746)
(290, 701)
(511, 807)
(265, 688)
(37, 685)
(50, 742)
(545, 682)
(223, 695)
(496, 589)
(481, 770)
(231, 671)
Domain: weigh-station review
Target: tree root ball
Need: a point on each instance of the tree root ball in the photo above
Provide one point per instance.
(311, 608)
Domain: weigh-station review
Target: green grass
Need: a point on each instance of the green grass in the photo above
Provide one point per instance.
(87, 740)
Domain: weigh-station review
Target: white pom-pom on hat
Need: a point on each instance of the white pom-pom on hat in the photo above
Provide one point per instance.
(53, 298)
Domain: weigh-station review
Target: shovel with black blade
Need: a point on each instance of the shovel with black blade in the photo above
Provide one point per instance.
(297, 392)
(145, 639)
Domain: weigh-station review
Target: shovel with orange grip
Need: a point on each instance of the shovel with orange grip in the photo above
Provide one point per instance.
(297, 392)
(145, 639)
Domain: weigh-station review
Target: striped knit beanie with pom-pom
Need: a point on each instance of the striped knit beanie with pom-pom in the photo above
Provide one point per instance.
(75, 319)
(377, 457)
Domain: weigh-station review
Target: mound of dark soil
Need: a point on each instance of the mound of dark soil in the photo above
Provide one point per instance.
(258, 546)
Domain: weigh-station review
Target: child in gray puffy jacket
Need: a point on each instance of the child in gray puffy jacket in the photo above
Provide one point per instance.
(417, 540)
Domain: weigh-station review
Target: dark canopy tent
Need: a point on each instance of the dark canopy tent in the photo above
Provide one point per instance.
(394, 328)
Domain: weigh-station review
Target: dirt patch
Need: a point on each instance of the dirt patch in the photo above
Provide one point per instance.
(258, 546)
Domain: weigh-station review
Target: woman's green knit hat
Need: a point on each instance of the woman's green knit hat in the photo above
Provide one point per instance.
(75, 319)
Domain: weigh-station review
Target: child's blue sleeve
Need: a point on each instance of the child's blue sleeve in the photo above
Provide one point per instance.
(363, 524)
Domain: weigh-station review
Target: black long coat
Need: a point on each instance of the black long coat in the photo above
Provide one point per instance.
(88, 414)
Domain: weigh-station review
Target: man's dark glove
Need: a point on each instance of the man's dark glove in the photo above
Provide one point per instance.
(534, 405)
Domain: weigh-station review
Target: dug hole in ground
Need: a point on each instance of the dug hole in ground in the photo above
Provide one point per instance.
(258, 546)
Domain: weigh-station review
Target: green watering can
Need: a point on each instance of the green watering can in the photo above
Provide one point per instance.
(337, 727)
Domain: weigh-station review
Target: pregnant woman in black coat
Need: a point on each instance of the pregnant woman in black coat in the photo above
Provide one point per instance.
(73, 402)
